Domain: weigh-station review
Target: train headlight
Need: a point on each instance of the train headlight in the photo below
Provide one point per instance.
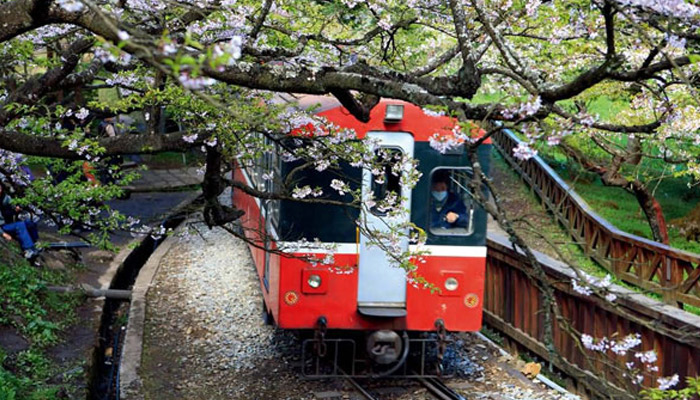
(451, 284)
(314, 281)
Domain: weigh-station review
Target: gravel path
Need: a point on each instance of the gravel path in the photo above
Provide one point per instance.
(205, 338)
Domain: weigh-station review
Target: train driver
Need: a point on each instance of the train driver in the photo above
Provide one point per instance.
(447, 210)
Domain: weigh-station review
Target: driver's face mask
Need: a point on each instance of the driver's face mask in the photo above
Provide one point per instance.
(439, 195)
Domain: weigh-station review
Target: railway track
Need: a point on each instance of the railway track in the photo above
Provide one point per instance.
(434, 386)
(438, 389)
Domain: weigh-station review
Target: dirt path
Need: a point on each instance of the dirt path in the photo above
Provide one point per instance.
(530, 218)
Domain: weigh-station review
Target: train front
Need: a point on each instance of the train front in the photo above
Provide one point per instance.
(391, 322)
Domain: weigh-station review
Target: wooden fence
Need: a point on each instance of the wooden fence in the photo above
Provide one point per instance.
(513, 305)
(671, 273)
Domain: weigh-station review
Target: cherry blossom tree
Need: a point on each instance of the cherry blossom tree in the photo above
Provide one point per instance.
(214, 66)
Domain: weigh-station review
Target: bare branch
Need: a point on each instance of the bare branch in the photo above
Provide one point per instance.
(124, 144)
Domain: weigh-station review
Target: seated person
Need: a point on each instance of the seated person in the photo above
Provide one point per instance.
(447, 210)
(24, 231)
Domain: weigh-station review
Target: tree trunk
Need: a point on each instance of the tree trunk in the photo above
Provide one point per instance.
(610, 176)
(215, 213)
(652, 210)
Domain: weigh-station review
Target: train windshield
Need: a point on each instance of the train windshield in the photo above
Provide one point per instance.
(451, 203)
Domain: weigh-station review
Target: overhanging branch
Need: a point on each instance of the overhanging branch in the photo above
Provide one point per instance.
(124, 144)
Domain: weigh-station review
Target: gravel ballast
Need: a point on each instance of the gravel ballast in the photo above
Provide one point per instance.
(205, 338)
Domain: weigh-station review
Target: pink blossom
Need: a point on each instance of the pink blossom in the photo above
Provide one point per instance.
(668, 382)
(672, 8)
(190, 138)
(553, 140)
(384, 23)
(647, 357)
(82, 113)
(71, 5)
(340, 186)
(197, 83)
(523, 152)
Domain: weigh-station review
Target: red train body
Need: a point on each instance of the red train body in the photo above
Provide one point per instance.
(339, 298)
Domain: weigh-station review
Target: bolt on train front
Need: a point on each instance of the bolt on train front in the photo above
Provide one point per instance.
(360, 314)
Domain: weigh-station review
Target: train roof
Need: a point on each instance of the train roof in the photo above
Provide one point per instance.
(415, 120)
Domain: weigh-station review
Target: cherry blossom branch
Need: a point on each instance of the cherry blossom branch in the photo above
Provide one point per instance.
(44, 146)
(35, 88)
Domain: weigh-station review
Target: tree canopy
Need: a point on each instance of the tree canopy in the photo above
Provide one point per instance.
(214, 66)
(211, 66)
(205, 63)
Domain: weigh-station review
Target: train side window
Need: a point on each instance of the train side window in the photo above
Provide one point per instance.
(451, 205)
(268, 178)
(269, 173)
(387, 182)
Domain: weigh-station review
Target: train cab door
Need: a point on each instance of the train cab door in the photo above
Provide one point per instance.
(382, 286)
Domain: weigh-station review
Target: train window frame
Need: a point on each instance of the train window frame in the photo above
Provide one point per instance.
(387, 173)
(469, 204)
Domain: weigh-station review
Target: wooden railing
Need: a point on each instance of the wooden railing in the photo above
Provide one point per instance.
(513, 305)
(649, 265)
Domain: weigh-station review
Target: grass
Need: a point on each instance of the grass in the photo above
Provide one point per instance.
(568, 250)
(605, 107)
(109, 96)
(621, 208)
(39, 317)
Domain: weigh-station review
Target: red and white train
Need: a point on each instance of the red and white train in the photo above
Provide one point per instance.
(372, 297)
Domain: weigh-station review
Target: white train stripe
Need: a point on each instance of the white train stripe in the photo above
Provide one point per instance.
(335, 248)
(351, 248)
(452, 251)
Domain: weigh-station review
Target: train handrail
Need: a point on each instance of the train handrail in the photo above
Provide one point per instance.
(660, 268)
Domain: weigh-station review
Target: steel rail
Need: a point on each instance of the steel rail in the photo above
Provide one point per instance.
(438, 389)
(360, 389)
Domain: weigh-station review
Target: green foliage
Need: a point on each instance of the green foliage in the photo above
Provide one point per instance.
(27, 306)
(27, 383)
(692, 390)
(8, 385)
(33, 362)
(493, 335)
(39, 316)
(77, 199)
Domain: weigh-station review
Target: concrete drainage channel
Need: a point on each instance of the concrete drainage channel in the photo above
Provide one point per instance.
(104, 374)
